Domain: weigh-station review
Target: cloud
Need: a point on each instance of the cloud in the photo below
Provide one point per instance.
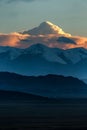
(25, 40)
(14, 1)
(12, 39)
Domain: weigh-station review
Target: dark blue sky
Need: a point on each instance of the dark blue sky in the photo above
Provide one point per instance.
(17, 15)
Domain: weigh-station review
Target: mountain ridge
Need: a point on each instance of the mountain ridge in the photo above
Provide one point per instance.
(52, 86)
(39, 59)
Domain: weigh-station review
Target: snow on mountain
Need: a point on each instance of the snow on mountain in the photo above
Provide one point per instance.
(39, 59)
(76, 54)
(15, 52)
(58, 55)
(12, 52)
(48, 53)
(46, 28)
(70, 56)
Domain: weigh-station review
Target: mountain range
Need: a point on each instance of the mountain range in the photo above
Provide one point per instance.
(39, 59)
(58, 54)
(51, 86)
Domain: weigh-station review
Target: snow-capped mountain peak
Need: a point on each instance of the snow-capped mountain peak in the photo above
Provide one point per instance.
(46, 28)
(50, 28)
(49, 23)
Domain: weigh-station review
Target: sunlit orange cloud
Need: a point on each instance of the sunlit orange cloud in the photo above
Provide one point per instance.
(12, 39)
(80, 41)
(51, 41)
(26, 40)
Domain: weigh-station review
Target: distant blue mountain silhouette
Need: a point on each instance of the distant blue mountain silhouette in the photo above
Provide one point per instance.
(53, 86)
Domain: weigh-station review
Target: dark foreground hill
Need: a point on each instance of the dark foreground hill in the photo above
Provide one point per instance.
(13, 96)
(48, 86)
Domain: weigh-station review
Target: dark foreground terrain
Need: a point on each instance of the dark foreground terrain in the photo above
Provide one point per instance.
(37, 111)
(43, 115)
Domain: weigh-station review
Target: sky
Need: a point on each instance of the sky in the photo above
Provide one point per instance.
(18, 15)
